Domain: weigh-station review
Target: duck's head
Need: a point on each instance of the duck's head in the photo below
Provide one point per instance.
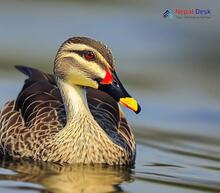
(89, 63)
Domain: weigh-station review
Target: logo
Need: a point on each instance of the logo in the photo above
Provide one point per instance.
(180, 13)
(168, 14)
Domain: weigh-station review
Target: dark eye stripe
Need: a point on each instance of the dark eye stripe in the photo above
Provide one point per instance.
(79, 52)
(87, 54)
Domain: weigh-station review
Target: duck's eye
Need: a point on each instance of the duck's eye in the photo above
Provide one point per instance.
(89, 55)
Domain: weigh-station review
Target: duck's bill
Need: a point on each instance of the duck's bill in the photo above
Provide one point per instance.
(118, 92)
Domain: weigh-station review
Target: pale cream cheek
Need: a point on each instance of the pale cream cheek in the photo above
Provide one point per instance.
(76, 77)
(96, 70)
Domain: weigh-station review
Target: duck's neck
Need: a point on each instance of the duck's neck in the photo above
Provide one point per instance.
(74, 98)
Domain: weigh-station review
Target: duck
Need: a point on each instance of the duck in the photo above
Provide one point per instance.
(73, 115)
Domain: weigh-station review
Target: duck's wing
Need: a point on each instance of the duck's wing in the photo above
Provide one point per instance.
(39, 97)
(35, 115)
(111, 118)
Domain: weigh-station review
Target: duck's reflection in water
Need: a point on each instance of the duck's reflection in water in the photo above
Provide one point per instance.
(68, 178)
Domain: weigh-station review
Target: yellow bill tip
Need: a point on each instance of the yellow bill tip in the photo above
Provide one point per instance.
(130, 103)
